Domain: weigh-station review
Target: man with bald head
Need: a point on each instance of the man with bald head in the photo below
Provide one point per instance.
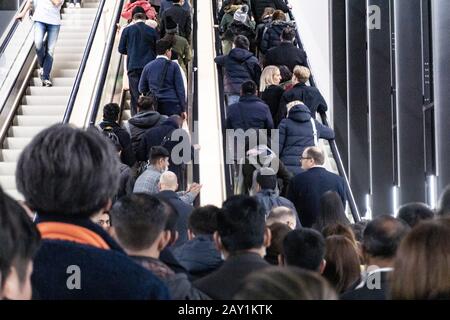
(307, 188)
(168, 185)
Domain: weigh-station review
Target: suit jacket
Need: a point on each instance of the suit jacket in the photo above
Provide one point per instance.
(307, 188)
(365, 291)
(225, 282)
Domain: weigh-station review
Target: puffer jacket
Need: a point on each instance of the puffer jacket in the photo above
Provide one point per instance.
(140, 123)
(296, 134)
(240, 65)
(272, 35)
(237, 28)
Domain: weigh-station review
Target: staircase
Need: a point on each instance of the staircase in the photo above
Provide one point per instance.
(42, 107)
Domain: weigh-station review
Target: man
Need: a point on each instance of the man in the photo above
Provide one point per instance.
(168, 185)
(47, 22)
(180, 45)
(415, 212)
(180, 16)
(286, 53)
(138, 42)
(167, 4)
(304, 248)
(242, 237)
(163, 79)
(307, 188)
(19, 242)
(282, 215)
(67, 187)
(140, 227)
(382, 237)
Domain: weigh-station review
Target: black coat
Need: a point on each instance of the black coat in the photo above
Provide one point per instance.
(225, 282)
(286, 54)
(258, 7)
(368, 290)
(249, 113)
(310, 96)
(181, 17)
(296, 134)
(238, 28)
(272, 35)
(307, 188)
(140, 123)
(272, 96)
(127, 156)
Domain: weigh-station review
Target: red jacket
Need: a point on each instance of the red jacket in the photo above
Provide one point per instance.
(149, 10)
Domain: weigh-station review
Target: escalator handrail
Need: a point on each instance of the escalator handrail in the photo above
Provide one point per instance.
(333, 145)
(105, 66)
(87, 51)
(12, 28)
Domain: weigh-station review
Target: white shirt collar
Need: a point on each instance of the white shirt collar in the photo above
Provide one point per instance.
(162, 56)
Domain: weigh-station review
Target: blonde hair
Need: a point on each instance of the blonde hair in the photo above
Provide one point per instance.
(302, 74)
(267, 77)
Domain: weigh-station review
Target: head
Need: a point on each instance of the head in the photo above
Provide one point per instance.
(268, 12)
(422, 264)
(140, 223)
(168, 181)
(266, 179)
(203, 221)
(282, 215)
(111, 112)
(338, 229)
(19, 242)
(413, 213)
(279, 232)
(343, 268)
(146, 103)
(331, 211)
(279, 15)
(382, 236)
(301, 74)
(159, 158)
(289, 283)
(288, 35)
(103, 220)
(304, 248)
(138, 14)
(270, 76)
(286, 74)
(70, 172)
(164, 47)
(249, 88)
(444, 203)
(312, 157)
(241, 227)
(241, 42)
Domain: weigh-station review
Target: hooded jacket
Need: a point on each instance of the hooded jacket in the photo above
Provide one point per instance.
(272, 35)
(296, 134)
(140, 123)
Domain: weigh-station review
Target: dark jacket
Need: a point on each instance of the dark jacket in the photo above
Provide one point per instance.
(138, 42)
(167, 4)
(310, 96)
(296, 134)
(286, 54)
(238, 28)
(307, 188)
(127, 156)
(368, 290)
(225, 282)
(181, 17)
(269, 199)
(140, 123)
(180, 287)
(184, 211)
(172, 89)
(258, 7)
(272, 34)
(199, 256)
(239, 65)
(226, 8)
(272, 97)
(126, 184)
(260, 28)
(249, 113)
(105, 274)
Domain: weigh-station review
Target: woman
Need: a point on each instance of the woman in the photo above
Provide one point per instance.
(265, 21)
(270, 89)
(331, 211)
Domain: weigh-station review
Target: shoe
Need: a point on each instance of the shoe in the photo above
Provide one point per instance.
(47, 83)
(78, 5)
(71, 5)
(41, 73)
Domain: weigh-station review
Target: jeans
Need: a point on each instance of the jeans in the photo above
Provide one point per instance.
(45, 49)
(133, 78)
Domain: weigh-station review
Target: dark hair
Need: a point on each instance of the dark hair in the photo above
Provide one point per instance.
(241, 224)
(286, 74)
(342, 268)
(162, 46)
(285, 283)
(138, 220)
(383, 235)
(111, 112)
(138, 10)
(19, 238)
(157, 153)
(67, 171)
(249, 88)
(288, 34)
(304, 248)
(203, 220)
(241, 42)
(413, 213)
(331, 211)
(146, 103)
(279, 232)
(266, 181)
(444, 203)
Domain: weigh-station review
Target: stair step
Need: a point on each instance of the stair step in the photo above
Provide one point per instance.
(24, 132)
(45, 100)
(8, 182)
(8, 168)
(16, 143)
(10, 155)
(61, 73)
(37, 110)
(49, 91)
(68, 49)
(66, 64)
(33, 121)
(65, 82)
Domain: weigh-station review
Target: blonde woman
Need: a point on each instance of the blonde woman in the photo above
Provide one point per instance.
(270, 89)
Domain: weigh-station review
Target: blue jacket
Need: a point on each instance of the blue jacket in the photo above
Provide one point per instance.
(172, 90)
(138, 42)
(104, 274)
(249, 112)
(167, 4)
(272, 35)
(307, 188)
(296, 134)
(239, 65)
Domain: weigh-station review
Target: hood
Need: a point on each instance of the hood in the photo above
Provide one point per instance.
(146, 119)
(232, 8)
(240, 55)
(300, 113)
(283, 23)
